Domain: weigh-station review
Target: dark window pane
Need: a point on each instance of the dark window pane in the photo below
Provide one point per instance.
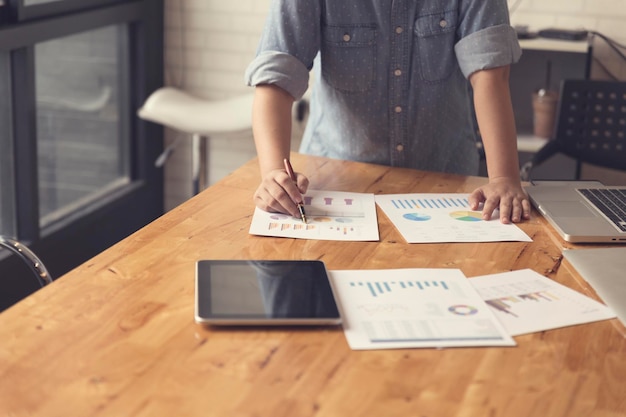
(7, 218)
(83, 152)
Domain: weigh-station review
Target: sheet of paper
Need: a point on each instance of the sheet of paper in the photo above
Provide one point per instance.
(414, 308)
(432, 218)
(331, 215)
(525, 302)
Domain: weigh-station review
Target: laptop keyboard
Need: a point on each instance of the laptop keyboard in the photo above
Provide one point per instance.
(610, 201)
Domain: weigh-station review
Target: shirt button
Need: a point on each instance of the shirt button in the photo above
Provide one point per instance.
(397, 72)
(346, 37)
(443, 23)
(398, 109)
(400, 148)
(399, 29)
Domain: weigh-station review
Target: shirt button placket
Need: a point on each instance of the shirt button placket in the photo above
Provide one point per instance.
(398, 96)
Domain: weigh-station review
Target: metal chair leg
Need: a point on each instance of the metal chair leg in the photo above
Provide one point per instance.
(200, 162)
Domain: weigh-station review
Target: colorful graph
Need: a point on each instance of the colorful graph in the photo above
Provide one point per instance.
(417, 217)
(331, 215)
(506, 304)
(466, 216)
(290, 226)
(327, 201)
(463, 310)
(279, 217)
(379, 288)
(430, 203)
(321, 219)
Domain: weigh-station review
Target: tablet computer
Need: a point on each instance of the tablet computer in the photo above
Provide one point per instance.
(259, 292)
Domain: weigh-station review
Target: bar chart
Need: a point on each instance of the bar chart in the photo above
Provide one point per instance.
(414, 308)
(331, 215)
(434, 218)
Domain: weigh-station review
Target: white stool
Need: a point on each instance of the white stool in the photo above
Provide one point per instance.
(199, 118)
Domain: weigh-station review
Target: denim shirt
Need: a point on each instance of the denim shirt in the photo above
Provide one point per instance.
(390, 76)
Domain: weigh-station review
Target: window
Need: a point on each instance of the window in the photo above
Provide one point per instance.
(6, 150)
(83, 148)
(77, 167)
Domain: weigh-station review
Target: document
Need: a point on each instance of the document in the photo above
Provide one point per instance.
(434, 218)
(414, 308)
(525, 301)
(331, 215)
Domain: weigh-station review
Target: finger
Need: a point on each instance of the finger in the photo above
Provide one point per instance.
(272, 197)
(516, 211)
(489, 207)
(290, 189)
(266, 202)
(475, 198)
(506, 209)
(526, 208)
(302, 183)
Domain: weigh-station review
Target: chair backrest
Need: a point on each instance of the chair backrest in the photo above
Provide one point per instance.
(591, 122)
(28, 256)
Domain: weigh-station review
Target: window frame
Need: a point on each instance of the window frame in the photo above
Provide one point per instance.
(18, 11)
(73, 239)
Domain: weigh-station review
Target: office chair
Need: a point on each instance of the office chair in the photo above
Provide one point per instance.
(590, 126)
(200, 118)
(28, 256)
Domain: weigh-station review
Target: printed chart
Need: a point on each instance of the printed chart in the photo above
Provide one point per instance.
(525, 301)
(331, 215)
(402, 308)
(432, 218)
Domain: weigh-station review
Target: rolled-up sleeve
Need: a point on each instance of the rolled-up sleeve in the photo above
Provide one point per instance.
(491, 47)
(280, 69)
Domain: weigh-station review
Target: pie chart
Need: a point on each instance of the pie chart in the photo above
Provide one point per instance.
(416, 217)
(462, 310)
(467, 216)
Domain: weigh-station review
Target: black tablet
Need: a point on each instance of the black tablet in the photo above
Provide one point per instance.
(255, 292)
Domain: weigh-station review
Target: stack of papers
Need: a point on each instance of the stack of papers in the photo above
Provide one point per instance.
(419, 308)
(413, 308)
(406, 308)
(420, 218)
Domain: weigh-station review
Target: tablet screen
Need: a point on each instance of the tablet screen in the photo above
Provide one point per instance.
(264, 292)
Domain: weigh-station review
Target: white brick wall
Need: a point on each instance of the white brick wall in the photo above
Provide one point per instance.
(605, 16)
(210, 42)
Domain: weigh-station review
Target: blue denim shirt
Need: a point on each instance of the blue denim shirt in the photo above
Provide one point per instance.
(390, 76)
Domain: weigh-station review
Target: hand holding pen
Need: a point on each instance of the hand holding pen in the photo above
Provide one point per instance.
(292, 175)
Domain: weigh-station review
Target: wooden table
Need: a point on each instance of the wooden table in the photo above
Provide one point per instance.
(116, 336)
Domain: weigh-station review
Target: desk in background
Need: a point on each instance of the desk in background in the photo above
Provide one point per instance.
(116, 336)
(568, 60)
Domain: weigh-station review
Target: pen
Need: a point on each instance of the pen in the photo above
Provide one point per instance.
(293, 178)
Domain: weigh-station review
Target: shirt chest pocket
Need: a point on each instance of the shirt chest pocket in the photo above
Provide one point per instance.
(435, 39)
(348, 56)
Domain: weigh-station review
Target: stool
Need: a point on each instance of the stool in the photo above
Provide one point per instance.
(199, 118)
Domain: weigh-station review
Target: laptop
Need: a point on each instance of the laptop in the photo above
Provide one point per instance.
(603, 269)
(582, 211)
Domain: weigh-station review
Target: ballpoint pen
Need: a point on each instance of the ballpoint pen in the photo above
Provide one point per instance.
(291, 174)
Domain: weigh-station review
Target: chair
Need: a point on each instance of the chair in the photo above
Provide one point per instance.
(199, 118)
(29, 257)
(590, 126)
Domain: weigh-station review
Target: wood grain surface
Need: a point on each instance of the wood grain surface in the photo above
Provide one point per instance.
(116, 336)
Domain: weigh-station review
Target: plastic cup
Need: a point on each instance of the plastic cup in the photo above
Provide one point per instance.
(544, 113)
